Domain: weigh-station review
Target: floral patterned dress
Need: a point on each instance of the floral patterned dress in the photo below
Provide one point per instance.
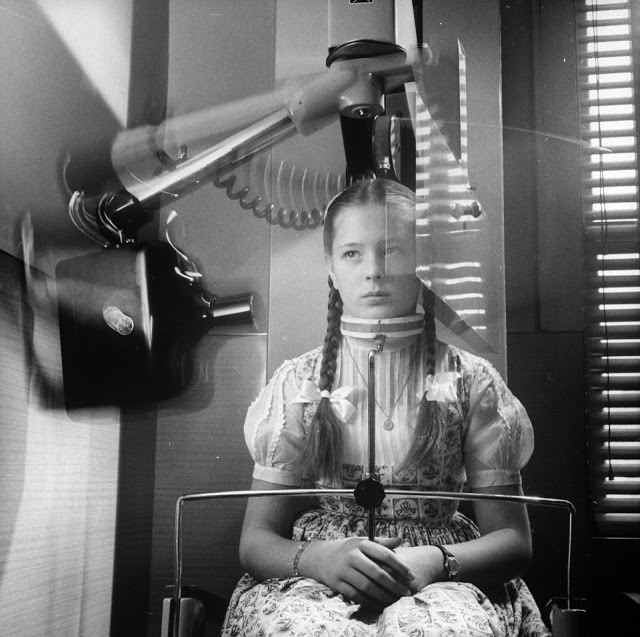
(489, 439)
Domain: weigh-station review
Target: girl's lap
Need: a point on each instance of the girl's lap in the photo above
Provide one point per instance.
(302, 606)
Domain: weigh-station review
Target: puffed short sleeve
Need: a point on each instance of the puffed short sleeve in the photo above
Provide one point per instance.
(273, 429)
(498, 437)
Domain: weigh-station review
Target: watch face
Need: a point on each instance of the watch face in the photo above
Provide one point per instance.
(452, 566)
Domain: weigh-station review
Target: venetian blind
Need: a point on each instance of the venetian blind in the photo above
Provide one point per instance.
(608, 100)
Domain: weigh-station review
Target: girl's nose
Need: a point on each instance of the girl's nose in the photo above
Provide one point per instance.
(376, 267)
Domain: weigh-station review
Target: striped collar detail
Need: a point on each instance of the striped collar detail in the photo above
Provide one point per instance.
(398, 327)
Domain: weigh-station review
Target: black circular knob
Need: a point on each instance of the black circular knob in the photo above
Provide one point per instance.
(369, 493)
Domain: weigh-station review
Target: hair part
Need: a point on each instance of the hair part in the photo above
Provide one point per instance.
(382, 193)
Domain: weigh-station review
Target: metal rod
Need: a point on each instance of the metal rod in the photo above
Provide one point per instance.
(187, 174)
(177, 582)
(444, 495)
(571, 512)
(371, 393)
(433, 495)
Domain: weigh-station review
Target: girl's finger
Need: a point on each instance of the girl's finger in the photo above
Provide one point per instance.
(385, 557)
(371, 590)
(381, 576)
(351, 593)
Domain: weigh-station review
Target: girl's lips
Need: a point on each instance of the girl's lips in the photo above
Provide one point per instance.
(375, 297)
(376, 293)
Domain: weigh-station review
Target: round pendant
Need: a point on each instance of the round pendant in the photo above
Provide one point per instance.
(388, 424)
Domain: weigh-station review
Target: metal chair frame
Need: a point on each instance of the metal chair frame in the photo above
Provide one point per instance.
(433, 495)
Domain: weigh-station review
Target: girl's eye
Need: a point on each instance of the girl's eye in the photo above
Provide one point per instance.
(350, 254)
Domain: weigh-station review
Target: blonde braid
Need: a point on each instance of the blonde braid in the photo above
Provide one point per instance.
(429, 328)
(322, 454)
(331, 340)
(431, 423)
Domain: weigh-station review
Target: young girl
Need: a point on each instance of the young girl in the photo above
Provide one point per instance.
(444, 418)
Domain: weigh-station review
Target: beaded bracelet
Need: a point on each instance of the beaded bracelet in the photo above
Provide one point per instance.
(296, 559)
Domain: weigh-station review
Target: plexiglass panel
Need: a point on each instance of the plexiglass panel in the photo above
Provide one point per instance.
(457, 120)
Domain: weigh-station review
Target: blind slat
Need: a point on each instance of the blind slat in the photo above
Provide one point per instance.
(630, 470)
(614, 198)
(587, 101)
(628, 270)
(603, 23)
(622, 469)
(614, 47)
(610, 364)
(608, 276)
(587, 117)
(599, 355)
(610, 225)
(621, 255)
(618, 526)
(620, 231)
(616, 432)
(625, 129)
(598, 346)
(618, 505)
(618, 485)
(598, 148)
(598, 382)
(603, 71)
(598, 331)
(585, 6)
(618, 299)
(623, 418)
(614, 313)
(605, 81)
(588, 39)
(609, 182)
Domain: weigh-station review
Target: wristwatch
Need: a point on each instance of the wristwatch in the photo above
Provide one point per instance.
(451, 565)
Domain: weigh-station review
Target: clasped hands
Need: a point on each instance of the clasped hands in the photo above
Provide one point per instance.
(372, 573)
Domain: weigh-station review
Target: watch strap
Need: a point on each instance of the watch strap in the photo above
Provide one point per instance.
(450, 562)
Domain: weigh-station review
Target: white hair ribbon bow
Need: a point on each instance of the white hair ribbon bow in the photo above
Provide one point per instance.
(442, 387)
(339, 398)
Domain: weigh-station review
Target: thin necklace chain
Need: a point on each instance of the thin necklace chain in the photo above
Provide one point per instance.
(388, 423)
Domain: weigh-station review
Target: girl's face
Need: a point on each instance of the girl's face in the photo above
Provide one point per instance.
(372, 263)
